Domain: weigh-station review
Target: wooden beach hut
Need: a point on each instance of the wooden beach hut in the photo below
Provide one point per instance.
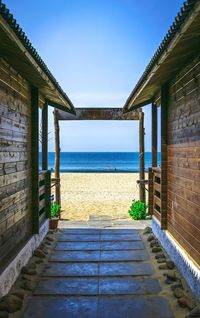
(25, 85)
(171, 81)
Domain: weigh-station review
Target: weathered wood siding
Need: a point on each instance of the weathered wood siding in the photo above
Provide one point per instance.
(15, 118)
(184, 159)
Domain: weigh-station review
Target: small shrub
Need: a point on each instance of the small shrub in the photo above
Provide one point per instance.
(55, 210)
(138, 210)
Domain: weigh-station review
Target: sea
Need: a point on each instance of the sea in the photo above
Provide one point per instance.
(99, 161)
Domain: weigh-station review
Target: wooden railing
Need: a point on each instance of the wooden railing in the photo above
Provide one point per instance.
(155, 192)
(44, 195)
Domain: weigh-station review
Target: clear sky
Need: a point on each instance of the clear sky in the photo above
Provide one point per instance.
(97, 50)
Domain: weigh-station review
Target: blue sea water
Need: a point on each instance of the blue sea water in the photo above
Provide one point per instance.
(99, 161)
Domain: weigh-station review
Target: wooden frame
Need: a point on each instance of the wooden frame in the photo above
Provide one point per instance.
(100, 114)
(164, 126)
(57, 157)
(34, 159)
(45, 136)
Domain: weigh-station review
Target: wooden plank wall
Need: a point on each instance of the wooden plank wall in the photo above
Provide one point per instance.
(15, 118)
(184, 159)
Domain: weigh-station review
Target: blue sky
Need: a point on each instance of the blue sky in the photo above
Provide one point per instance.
(97, 50)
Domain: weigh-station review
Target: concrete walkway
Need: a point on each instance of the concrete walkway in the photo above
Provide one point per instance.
(98, 273)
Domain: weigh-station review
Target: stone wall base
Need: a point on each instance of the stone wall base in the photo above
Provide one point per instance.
(189, 270)
(12, 271)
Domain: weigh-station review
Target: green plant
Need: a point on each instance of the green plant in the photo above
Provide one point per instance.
(138, 210)
(55, 210)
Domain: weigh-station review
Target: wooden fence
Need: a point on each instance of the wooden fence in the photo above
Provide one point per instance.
(155, 192)
(44, 195)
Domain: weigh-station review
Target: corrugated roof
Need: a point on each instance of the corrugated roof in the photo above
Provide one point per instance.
(8, 17)
(182, 16)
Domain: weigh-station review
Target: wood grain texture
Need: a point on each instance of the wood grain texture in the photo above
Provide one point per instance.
(15, 132)
(183, 211)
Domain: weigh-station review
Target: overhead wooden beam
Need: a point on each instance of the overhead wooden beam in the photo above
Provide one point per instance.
(99, 114)
(135, 107)
(45, 136)
(34, 159)
(164, 142)
(57, 157)
(142, 159)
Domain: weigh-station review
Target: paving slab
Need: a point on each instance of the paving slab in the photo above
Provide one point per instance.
(70, 307)
(130, 307)
(78, 256)
(118, 231)
(67, 286)
(95, 269)
(78, 238)
(92, 307)
(117, 246)
(77, 246)
(128, 286)
(120, 237)
(97, 286)
(71, 269)
(78, 231)
(137, 255)
(126, 269)
(98, 273)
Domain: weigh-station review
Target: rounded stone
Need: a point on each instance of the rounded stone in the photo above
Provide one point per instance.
(185, 302)
(170, 264)
(147, 230)
(28, 271)
(160, 255)
(19, 293)
(178, 293)
(171, 275)
(49, 238)
(162, 266)
(12, 303)
(32, 266)
(150, 238)
(154, 243)
(161, 260)
(29, 285)
(156, 249)
(39, 253)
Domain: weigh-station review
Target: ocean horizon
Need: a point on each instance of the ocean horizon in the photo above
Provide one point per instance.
(98, 161)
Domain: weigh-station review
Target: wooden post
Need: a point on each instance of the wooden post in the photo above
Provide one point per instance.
(154, 141)
(57, 157)
(154, 156)
(45, 136)
(164, 141)
(142, 162)
(34, 159)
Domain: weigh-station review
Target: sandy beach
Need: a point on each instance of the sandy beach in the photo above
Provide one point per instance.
(86, 195)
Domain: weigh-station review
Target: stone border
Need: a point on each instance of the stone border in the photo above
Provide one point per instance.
(12, 271)
(188, 269)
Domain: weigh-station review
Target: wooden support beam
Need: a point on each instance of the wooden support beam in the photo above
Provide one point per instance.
(164, 141)
(154, 142)
(99, 114)
(57, 157)
(34, 159)
(45, 136)
(142, 159)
